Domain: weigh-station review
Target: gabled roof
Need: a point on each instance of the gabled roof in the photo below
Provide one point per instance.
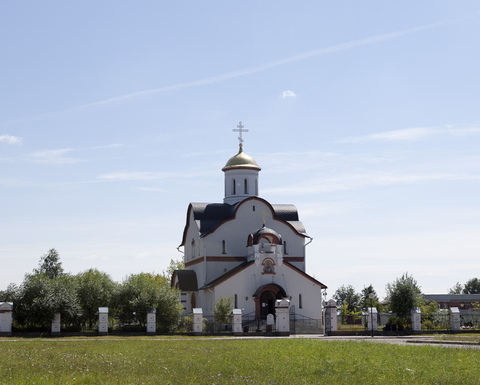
(227, 275)
(209, 216)
(293, 267)
(245, 265)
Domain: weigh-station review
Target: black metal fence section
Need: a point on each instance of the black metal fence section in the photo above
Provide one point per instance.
(388, 322)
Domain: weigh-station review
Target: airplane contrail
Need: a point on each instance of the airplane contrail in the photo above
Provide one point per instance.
(251, 70)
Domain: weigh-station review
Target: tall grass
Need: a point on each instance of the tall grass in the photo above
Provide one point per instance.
(222, 361)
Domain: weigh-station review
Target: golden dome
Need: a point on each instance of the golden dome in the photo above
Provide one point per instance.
(241, 160)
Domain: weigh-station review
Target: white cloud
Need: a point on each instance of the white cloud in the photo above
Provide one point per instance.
(288, 94)
(406, 134)
(356, 181)
(54, 157)
(9, 139)
(412, 134)
(133, 176)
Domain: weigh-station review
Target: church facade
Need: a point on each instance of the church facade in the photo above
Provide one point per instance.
(246, 248)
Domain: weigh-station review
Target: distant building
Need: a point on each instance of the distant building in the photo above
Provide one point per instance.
(246, 248)
(446, 301)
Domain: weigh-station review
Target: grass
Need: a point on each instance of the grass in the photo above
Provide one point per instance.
(225, 361)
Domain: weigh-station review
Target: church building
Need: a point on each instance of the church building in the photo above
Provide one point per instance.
(246, 248)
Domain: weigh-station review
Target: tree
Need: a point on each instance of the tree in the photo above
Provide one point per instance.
(141, 292)
(347, 294)
(50, 265)
(404, 294)
(456, 289)
(40, 297)
(472, 286)
(10, 294)
(94, 289)
(366, 302)
(174, 265)
(222, 310)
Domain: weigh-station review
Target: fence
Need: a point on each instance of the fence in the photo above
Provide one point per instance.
(438, 321)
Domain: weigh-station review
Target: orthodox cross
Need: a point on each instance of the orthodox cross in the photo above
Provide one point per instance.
(264, 214)
(240, 130)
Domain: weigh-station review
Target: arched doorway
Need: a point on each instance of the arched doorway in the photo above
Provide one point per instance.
(267, 303)
(265, 298)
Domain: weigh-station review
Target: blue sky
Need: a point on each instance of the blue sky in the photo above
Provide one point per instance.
(365, 115)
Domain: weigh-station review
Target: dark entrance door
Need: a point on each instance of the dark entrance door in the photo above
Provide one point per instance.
(267, 304)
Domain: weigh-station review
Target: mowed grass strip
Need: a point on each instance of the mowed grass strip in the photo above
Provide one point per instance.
(220, 361)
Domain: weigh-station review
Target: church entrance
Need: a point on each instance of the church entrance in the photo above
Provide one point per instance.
(265, 298)
(267, 304)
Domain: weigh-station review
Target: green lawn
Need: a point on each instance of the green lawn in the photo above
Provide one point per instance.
(225, 361)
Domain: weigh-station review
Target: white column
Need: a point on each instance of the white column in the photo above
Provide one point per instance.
(237, 321)
(197, 320)
(416, 319)
(103, 320)
(152, 321)
(282, 312)
(6, 309)
(56, 323)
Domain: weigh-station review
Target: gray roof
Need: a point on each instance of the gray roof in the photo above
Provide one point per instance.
(209, 216)
(187, 280)
(453, 297)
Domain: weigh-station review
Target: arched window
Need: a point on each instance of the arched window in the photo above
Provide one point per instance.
(300, 305)
(234, 187)
(224, 247)
(285, 247)
(245, 186)
(236, 302)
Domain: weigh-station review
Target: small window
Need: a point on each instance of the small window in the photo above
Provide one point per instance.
(224, 247)
(300, 301)
(245, 186)
(285, 247)
(234, 187)
(236, 302)
(253, 207)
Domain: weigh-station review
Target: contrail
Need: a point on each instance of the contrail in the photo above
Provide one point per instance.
(256, 69)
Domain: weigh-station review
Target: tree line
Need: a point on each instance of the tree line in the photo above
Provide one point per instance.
(49, 290)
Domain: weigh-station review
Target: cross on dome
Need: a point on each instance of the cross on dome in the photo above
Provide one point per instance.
(264, 214)
(240, 130)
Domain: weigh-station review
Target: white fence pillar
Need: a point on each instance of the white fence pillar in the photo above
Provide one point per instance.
(103, 320)
(56, 323)
(197, 320)
(372, 319)
(416, 319)
(454, 318)
(282, 313)
(152, 321)
(330, 316)
(237, 321)
(6, 309)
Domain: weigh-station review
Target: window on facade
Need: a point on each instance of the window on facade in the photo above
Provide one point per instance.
(234, 187)
(224, 247)
(245, 186)
(193, 248)
(285, 247)
(253, 207)
(300, 301)
(236, 302)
